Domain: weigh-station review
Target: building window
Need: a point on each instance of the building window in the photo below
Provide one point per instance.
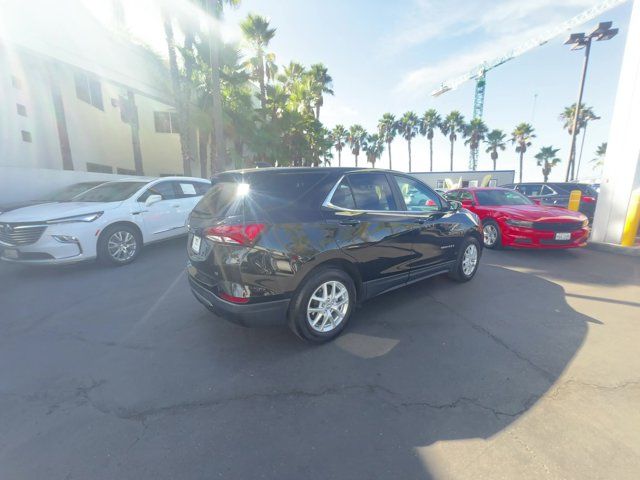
(439, 183)
(21, 109)
(89, 90)
(15, 81)
(125, 171)
(26, 136)
(99, 168)
(166, 122)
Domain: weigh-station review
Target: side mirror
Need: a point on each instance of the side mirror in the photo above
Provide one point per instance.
(468, 203)
(151, 199)
(537, 201)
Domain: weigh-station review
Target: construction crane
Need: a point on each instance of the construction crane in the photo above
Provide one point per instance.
(479, 73)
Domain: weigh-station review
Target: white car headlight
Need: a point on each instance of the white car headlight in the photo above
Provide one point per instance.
(86, 217)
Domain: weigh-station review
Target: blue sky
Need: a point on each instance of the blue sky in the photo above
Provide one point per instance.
(388, 56)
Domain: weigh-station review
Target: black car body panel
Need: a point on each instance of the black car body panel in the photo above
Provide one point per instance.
(302, 230)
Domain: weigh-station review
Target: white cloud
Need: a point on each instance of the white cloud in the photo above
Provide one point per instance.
(499, 27)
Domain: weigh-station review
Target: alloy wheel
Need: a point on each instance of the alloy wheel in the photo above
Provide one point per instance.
(122, 246)
(328, 306)
(490, 234)
(469, 260)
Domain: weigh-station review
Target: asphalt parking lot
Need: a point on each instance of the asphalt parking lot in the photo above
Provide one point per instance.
(529, 371)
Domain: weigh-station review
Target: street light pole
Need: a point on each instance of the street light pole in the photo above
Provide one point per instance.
(577, 41)
(576, 113)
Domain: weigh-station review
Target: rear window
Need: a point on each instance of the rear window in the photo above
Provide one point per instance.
(264, 191)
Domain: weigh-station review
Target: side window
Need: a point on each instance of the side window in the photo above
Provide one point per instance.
(343, 196)
(466, 197)
(547, 191)
(417, 197)
(531, 190)
(188, 189)
(371, 191)
(164, 189)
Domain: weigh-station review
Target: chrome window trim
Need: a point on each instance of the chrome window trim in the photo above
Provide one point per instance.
(327, 204)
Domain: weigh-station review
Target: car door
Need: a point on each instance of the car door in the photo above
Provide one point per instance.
(434, 242)
(188, 194)
(161, 219)
(372, 229)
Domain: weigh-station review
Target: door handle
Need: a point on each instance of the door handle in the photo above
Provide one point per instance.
(175, 206)
(351, 222)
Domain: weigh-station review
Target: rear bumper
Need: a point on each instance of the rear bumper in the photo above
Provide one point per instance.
(249, 314)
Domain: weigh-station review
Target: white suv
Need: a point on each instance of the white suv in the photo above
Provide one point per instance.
(111, 222)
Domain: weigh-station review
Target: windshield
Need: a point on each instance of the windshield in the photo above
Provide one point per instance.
(68, 193)
(501, 197)
(110, 192)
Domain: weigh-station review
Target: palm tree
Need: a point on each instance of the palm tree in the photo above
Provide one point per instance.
(373, 146)
(428, 124)
(291, 74)
(547, 159)
(450, 127)
(387, 129)
(339, 136)
(355, 138)
(521, 137)
(474, 132)
(495, 140)
(258, 34)
(215, 8)
(322, 83)
(585, 116)
(601, 152)
(408, 128)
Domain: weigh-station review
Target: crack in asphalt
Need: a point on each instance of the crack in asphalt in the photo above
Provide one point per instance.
(545, 374)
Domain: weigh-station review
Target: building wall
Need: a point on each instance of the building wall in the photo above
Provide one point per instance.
(435, 179)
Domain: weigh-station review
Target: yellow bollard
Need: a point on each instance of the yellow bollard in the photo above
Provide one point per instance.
(574, 200)
(632, 221)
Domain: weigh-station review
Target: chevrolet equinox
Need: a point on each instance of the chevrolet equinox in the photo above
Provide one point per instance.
(303, 246)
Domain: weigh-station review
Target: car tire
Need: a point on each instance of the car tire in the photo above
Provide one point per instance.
(461, 271)
(491, 230)
(321, 308)
(113, 239)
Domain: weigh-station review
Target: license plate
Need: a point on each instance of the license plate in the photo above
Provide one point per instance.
(563, 236)
(10, 253)
(195, 244)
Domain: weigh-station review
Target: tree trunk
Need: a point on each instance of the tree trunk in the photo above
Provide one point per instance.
(431, 154)
(451, 159)
(409, 147)
(521, 155)
(356, 160)
(317, 111)
(263, 89)
(132, 114)
(61, 121)
(340, 157)
(389, 150)
(183, 126)
(219, 158)
(494, 164)
(203, 140)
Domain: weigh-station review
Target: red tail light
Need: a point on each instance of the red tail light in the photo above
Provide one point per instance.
(588, 199)
(244, 234)
(232, 299)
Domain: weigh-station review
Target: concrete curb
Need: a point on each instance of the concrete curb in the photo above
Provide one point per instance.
(613, 248)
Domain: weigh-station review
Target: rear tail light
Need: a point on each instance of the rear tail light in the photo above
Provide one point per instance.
(232, 299)
(244, 234)
(588, 199)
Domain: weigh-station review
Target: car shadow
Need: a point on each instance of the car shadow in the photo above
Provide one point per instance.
(171, 391)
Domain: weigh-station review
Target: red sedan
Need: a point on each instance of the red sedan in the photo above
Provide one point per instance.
(510, 219)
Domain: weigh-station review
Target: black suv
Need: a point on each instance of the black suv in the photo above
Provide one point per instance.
(557, 194)
(303, 245)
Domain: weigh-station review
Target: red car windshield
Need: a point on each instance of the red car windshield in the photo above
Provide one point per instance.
(501, 197)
